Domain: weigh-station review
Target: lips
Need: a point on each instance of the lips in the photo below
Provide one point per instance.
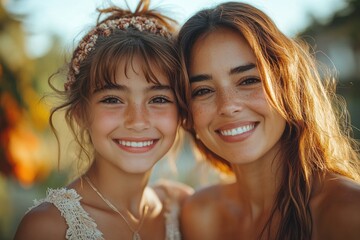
(237, 131)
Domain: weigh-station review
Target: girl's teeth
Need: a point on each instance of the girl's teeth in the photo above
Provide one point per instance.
(237, 131)
(136, 144)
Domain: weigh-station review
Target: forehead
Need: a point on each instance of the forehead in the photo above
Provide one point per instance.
(137, 67)
(220, 49)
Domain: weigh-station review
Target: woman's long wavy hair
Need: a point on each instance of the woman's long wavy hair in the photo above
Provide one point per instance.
(317, 138)
(100, 66)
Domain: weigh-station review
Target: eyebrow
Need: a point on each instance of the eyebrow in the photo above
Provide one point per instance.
(242, 68)
(110, 87)
(155, 87)
(235, 70)
(199, 78)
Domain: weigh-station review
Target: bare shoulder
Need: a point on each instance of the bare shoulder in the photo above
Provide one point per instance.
(200, 216)
(336, 213)
(173, 189)
(42, 222)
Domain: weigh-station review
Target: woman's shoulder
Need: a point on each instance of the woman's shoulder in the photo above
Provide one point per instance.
(201, 214)
(336, 210)
(203, 202)
(336, 189)
(43, 216)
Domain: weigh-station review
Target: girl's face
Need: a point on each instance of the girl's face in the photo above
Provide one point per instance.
(231, 114)
(133, 124)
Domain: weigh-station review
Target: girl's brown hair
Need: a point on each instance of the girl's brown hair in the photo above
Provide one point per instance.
(99, 66)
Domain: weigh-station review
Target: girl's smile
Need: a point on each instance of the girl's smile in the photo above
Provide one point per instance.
(134, 121)
(136, 146)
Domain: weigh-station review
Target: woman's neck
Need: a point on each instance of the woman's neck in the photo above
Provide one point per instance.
(258, 183)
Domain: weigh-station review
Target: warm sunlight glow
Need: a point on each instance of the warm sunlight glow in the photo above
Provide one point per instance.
(27, 155)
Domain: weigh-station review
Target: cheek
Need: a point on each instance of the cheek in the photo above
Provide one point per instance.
(201, 114)
(257, 94)
(105, 120)
(167, 120)
(258, 101)
(276, 121)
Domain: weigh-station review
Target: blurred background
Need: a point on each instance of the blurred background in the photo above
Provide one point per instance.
(36, 37)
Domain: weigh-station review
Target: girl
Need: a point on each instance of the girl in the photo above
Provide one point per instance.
(121, 107)
(259, 110)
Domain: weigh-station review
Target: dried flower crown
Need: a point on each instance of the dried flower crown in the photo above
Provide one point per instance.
(87, 44)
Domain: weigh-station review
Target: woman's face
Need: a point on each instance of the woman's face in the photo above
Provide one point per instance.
(231, 114)
(133, 123)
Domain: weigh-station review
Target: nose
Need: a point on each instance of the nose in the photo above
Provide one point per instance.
(228, 102)
(136, 117)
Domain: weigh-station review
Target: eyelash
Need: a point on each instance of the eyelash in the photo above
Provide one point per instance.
(243, 82)
(154, 100)
(252, 80)
(163, 99)
(200, 92)
(110, 100)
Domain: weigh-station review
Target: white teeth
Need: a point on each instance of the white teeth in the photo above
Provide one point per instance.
(237, 131)
(136, 144)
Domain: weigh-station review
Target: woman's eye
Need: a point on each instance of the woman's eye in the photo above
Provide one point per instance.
(160, 100)
(200, 92)
(250, 81)
(111, 100)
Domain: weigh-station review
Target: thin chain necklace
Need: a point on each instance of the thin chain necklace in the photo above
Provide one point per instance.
(136, 234)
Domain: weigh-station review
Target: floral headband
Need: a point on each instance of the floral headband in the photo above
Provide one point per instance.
(87, 44)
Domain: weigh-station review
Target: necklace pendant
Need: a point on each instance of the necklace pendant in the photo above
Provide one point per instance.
(136, 236)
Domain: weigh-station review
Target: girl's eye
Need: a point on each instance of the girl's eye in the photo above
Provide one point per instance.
(160, 100)
(201, 92)
(250, 80)
(111, 100)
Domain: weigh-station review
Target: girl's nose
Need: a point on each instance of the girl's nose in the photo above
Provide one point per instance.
(136, 118)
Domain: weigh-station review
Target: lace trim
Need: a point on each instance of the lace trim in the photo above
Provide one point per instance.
(80, 225)
(172, 219)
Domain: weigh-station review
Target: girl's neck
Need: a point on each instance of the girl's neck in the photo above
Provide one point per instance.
(125, 191)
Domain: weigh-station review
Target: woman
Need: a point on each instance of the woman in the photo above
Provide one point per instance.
(259, 110)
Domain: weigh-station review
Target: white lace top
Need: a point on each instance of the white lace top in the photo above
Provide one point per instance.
(82, 227)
